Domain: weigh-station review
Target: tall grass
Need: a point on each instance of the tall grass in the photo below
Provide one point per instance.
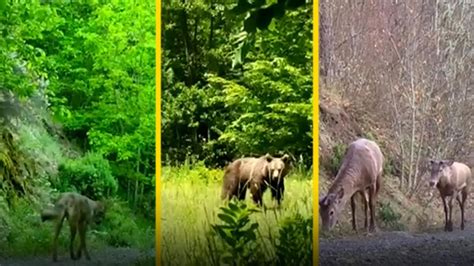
(190, 206)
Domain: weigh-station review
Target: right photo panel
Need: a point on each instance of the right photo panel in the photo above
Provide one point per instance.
(396, 141)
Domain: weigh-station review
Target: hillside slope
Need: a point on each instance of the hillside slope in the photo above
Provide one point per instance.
(341, 123)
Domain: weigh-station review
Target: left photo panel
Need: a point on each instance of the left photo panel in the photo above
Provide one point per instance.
(77, 132)
(236, 132)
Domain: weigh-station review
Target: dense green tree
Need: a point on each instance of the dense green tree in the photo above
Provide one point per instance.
(217, 106)
(92, 63)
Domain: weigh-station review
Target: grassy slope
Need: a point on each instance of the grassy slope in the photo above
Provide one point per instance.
(190, 205)
(21, 230)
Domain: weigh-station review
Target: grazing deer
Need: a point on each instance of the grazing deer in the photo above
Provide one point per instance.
(453, 180)
(360, 172)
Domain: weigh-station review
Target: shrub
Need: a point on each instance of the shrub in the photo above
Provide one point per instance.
(294, 246)
(119, 230)
(238, 233)
(90, 175)
(390, 217)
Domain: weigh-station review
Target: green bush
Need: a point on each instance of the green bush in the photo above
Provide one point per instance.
(121, 231)
(193, 172)
(90, 175)
(23, 233)
(294, 246)
(238, 234)
(390, 217)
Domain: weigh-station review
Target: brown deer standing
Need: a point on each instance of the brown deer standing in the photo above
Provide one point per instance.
(453, 180)
(360, 172)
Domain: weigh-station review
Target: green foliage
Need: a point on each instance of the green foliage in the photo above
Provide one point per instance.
(238, 233)
(23, 233)
(190, 206)
(259, 15)
(216, 112)
(271, 95)
(295, 241)
(80, 78)
(118, 230)
(370, 136)
(336, 159)
(91, 65)
(390, 217)
(193, 172)
(89, 175)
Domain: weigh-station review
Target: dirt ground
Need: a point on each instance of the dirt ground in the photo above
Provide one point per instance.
(108, 256)
(401, 248)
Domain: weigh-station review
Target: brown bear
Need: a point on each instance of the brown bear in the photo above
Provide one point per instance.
(256, 174)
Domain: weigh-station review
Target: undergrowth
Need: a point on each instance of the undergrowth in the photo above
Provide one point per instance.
(199, 228)
(25, 234)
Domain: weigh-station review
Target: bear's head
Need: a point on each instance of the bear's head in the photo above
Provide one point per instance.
(277, 167)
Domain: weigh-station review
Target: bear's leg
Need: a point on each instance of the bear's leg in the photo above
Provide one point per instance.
(256, 191)
(242, 191)
(277, 192)
(280, 192)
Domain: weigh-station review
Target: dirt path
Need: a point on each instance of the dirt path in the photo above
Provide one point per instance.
(108, 256)
(401, 248)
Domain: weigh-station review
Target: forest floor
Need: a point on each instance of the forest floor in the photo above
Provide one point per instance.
(401, 248)
(107, 256)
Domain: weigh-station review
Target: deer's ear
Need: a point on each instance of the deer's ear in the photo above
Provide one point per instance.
(323, 201)
(449, 162)
(285, 158)
(340, 194)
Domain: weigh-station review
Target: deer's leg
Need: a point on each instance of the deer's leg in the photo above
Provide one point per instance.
(365, 196)
(354, 223)
(462, 204)
(57, 230)
(82, 235)
(445, 206)
(372, 199)
(450, 215)
(73, 228)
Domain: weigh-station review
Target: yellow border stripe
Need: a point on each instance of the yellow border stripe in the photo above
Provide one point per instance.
(158, 132)
(316, 132)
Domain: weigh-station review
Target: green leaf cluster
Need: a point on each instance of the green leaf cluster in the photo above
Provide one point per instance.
(216, 108)
(89, 175)
(91, 66)
(238, 233)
